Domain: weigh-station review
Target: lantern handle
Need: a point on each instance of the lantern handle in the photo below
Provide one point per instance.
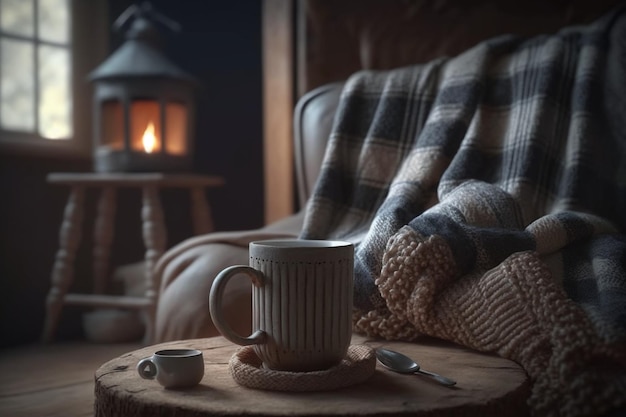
(144, 11)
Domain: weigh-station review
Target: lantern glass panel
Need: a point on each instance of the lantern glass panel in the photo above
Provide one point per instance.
(145, 126)
(112, 128)
(176, 128)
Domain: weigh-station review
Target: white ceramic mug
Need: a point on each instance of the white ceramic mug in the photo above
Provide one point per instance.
(173, 368)
(301, 303)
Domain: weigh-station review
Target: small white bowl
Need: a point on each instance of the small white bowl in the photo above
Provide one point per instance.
(113, 326)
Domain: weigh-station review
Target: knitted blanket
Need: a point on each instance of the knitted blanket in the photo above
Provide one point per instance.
(486, 196)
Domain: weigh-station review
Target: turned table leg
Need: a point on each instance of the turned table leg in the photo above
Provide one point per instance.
(63, 268)
(103, 237)
(154, 237)
(200, 212)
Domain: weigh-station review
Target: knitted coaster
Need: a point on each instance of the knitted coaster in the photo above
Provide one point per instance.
(247, 370)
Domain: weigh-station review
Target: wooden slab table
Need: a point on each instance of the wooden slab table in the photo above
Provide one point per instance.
(486, 386)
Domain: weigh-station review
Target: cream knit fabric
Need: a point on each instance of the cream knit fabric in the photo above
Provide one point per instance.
(514, 309)
(247, 369)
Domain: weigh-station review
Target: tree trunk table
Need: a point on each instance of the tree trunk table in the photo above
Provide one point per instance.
(486, 386)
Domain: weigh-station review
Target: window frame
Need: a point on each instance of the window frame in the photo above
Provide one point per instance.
(89, 46)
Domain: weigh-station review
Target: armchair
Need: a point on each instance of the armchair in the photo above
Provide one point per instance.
(377, 36)
(485, 194)
(187, 270)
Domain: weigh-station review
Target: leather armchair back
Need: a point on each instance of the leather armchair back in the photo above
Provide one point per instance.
(313, 119)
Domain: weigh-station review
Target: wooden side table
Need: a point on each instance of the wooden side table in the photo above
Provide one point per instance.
(487, 385)
(154, 237)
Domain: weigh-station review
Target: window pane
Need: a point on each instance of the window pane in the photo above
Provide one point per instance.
(17, 85)
(54, 20)
(55, 101)
(17, 17)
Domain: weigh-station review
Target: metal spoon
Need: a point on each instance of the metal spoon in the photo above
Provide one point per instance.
(400, 363)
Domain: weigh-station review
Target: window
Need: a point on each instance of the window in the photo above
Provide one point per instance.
(35, 71)
(47, 48)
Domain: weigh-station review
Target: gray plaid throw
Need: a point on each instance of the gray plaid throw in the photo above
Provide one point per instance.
(515, 146)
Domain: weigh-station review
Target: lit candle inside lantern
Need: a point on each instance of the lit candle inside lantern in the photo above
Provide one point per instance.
(149, 138)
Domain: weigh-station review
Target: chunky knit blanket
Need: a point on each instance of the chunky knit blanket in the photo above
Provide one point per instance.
(486, 196)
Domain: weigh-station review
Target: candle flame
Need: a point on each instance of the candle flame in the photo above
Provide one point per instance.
(149, 138)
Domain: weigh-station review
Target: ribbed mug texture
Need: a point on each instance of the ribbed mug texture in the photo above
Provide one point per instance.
(304, 306)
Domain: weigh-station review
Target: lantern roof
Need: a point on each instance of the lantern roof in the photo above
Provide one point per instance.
(135, 58)
(140, 55)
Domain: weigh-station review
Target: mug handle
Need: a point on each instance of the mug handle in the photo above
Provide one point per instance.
(147, 369)
(215, 304)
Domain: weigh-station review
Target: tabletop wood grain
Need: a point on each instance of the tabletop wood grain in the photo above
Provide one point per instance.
(486, 386)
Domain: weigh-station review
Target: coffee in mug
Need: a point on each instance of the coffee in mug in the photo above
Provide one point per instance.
(173, 368)
(301, 302)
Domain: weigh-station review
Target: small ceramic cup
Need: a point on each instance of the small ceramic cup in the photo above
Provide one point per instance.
(173, 368)
(301, 303)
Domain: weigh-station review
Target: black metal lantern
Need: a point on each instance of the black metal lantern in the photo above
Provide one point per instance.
(143, 103)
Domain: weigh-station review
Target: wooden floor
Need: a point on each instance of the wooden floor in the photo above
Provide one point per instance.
(53, 380)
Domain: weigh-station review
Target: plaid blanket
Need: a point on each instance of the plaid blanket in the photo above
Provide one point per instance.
(486, 196)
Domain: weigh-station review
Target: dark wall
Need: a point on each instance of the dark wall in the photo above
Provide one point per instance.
(220, 44)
